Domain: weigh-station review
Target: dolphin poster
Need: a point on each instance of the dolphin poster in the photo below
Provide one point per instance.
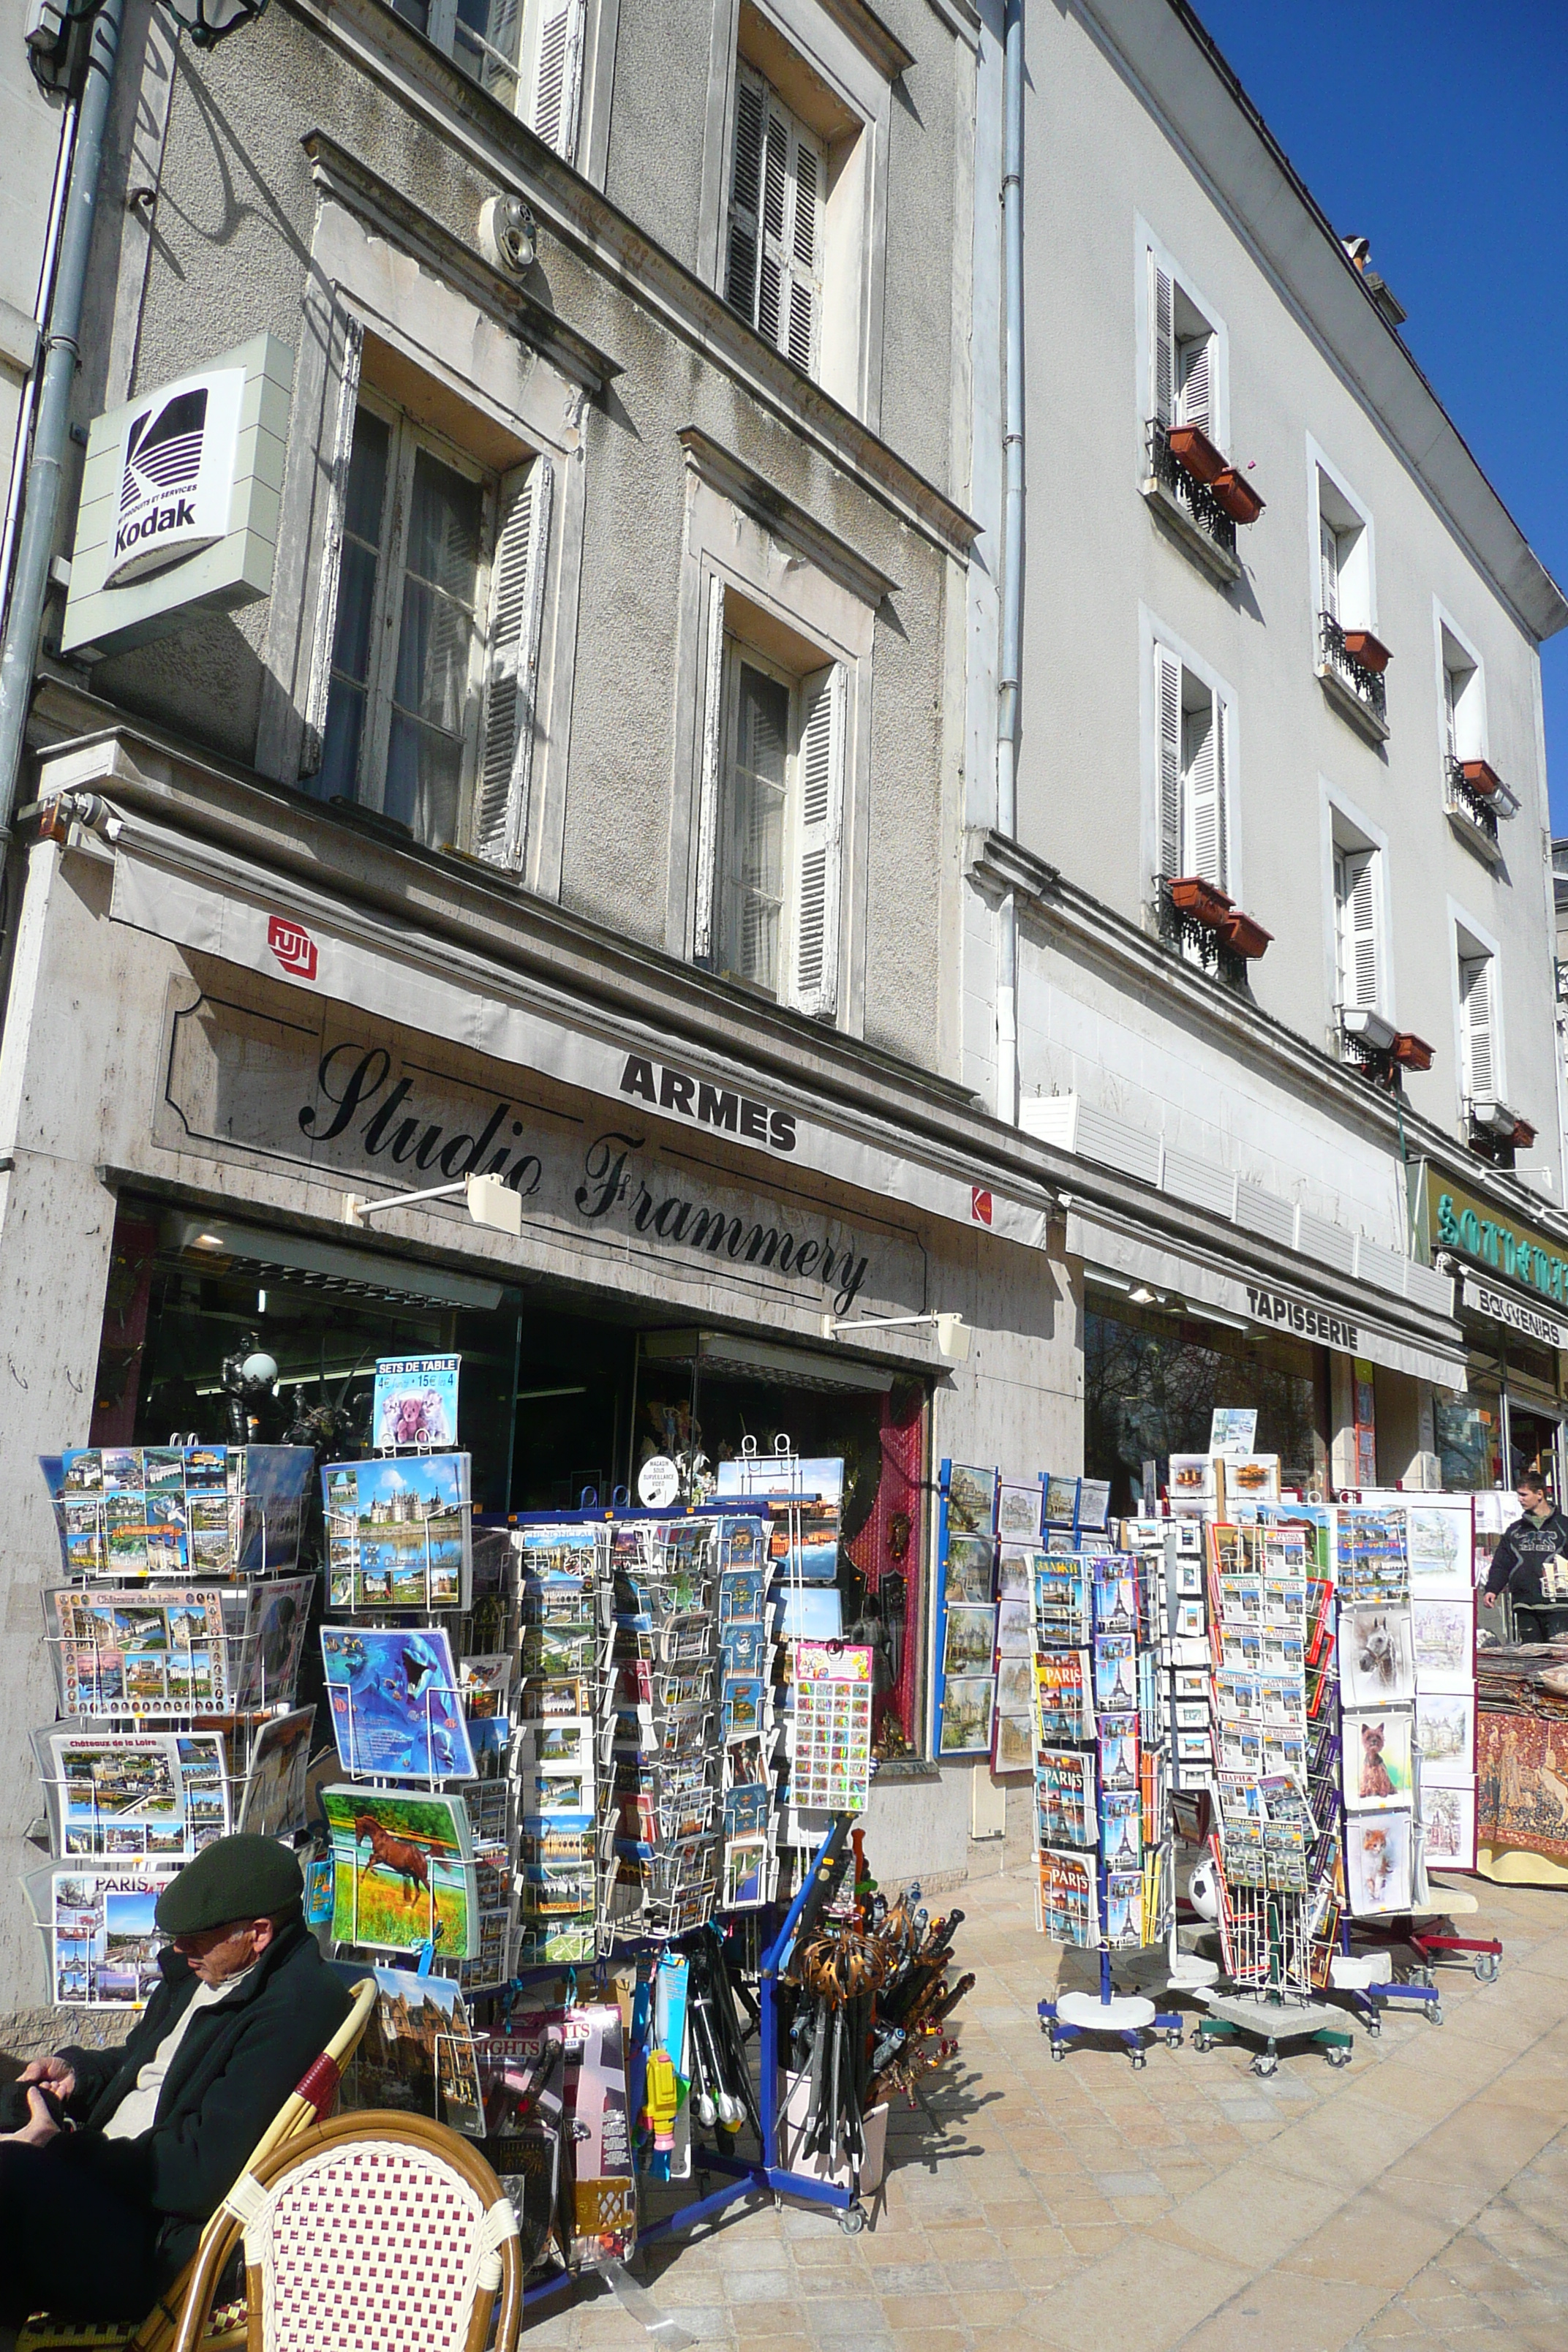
(397, 1711)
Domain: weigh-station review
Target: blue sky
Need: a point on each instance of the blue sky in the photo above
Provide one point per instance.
(1440, 132)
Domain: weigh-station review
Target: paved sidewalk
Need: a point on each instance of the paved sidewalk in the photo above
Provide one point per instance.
(1417, 2198)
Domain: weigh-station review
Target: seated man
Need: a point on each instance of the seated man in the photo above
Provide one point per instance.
(95, 2221)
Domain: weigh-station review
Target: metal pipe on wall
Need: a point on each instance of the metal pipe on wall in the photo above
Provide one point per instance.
(41, 319)
(1012, 544)
(40, 513)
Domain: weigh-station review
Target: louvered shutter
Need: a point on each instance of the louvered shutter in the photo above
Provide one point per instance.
(1360, 928)
(815, 981)
(1195, 404)
(772, 287)
(1163, 342)
(341, 455)
(805, 312)
(558, 76)
(746, 194)
(1450, 712)
(1329, 546)
(1168, 714)
(517, 604)
(1475, 1026)
(708, 788)
(1206, 792)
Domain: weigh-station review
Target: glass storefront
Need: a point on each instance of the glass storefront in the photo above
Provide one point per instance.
(558, 1394)
(1468, 1434)
(1152, 1382)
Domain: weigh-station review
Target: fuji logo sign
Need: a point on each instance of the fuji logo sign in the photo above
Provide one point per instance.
(293, 946)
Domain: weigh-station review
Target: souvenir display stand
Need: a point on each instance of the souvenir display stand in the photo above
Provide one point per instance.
(175, 1642)
(1104, 1853)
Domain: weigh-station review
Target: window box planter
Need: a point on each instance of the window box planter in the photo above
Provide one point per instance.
(1481, 777)
(1242, 936)
(1236, 493)
(1369, 651)
(1203, 902)
(1191, 449)
(1524, 1135)
(1411, 1053)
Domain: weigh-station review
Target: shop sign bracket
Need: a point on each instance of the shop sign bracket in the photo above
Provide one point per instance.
(490, 1202)
(951, 1330)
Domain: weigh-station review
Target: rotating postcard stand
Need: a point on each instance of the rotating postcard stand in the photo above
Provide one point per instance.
(1268, 1938)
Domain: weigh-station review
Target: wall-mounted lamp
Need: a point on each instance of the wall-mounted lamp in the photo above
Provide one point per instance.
(951, 1330)
(490, 1202)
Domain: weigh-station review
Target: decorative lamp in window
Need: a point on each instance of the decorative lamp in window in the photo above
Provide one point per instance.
(433, 624)
(777, 185)
(771, 824)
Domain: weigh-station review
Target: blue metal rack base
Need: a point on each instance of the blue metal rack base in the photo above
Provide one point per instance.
(1063, 2032)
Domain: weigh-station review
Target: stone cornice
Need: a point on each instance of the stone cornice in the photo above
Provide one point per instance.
(779, 514)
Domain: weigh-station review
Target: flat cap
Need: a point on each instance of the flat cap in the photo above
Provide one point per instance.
(233, 1878)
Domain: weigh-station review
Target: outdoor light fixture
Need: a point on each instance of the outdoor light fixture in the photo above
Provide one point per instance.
(210, 21)
(1374, 1031)
(490, 1202)
(951, 1330)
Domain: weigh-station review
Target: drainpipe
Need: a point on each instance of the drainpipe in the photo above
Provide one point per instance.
(1012, 546)
(41, 320)
(40, 515)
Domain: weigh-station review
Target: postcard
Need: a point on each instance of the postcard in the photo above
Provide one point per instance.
(1444, 1638)
(398, 1532)
(1015, 1743)
(1440, 1538)
(1377, 1662)
(971, 1501)
(1118, 1739)
(1061, 1500)
(1063, 1703)
(970, 1640)
(971, 1567)
(155, 1796)
(1061, 1597)
(101, 1937)
(1449, 1824)
(1015, 1684)
(1377, 1855)
(1065, 1797)
(1014, 1621)
(417, 2053)
(414, 1402)
(1377, 1758)
(273, 1801)
(1115, 1671)
(397, 1709)
(1068, 1904)
(1014, 1573)
(403, 1875)
(745, 1885)
(1445, 1730)
(968, 1702)
(1019, 1512)
(276, 1616)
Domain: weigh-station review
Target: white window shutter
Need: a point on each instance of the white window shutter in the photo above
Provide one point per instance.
(773, 273)
(1450, 712)
(341, 452)
(815, 988)
(708, 787)
(801, 322)
(1163, 342)
(1475, 1026)
(517, 605)
(1168, 719)
(745, 243)
(558, 76)
(1195, 405)
(1328, 545)
(1360, 959)
(1205, 793)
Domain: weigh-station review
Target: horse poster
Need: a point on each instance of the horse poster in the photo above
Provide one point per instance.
(403, 1874)
(396, 1707)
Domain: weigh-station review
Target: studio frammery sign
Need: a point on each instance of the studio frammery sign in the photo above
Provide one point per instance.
(348, 1099)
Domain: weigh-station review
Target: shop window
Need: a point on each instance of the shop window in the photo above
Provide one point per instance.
(771, 815)
(1152, 1382)
(1469, 1434)
(530, 57)
(1194, 782)
(433, 637)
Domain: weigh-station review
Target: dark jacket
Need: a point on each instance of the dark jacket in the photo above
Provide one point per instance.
(230, 2075)
(1523, 1550)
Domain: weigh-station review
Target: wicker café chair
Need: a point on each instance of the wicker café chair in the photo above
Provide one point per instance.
(375, 2233)
(311, 2100)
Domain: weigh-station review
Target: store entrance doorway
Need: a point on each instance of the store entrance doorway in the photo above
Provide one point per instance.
(1534, 1443)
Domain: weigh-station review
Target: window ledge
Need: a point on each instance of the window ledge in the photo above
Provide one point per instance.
(1478, 842)
(1349, 705)
(1217, 562)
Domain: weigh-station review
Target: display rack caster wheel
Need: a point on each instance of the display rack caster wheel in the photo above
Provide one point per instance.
(1204, 2042)
(1338, 2057)
(1059, 2050)
(1373, 2023)
(1487, 1967)
(1139, 2060)
(1266, 2064)
(1434, 2012)
(1173, 2038)
(852, 2221)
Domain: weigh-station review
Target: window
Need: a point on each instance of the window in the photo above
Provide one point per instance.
(1344, 559)
(527, 53)
(1478, 1058)
(773, 259)
(1461, 704)
(769, 874)
(1356, 894)
(1194, 815)
(1183, 347)
(433, 637)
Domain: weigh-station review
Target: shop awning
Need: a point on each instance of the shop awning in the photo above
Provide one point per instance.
(1348, 1327)
(426, 985)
